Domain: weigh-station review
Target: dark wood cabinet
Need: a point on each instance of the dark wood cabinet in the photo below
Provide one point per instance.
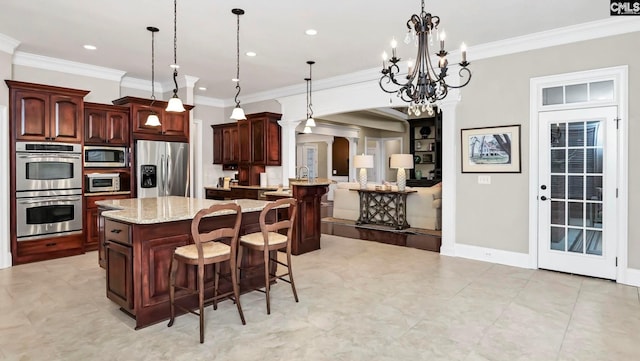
(425, 143)
(106, 124)
(173, 126)
(226, 145)
(46, 113)
(265, 138)
(119, 265)
(92, 226)
(307, 228)
(236, 193)
(244, 138)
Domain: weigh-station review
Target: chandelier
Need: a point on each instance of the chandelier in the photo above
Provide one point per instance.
(425, 84)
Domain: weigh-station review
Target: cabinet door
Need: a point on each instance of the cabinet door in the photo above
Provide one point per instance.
(258, 143)
(66, 118)
(234, 148)
(218, 144)
(31, 115)
(273, 149)
(244, 138)
(117, 128)
(176, 125)
(94, 126)
(92, 237)
(140, 113)
(119, 261)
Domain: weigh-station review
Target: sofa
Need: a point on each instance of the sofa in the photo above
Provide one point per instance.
(423, 207)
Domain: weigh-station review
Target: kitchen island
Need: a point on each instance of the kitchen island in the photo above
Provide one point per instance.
(139, 236)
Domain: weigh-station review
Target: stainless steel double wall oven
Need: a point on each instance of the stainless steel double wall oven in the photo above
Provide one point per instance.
(48, 189)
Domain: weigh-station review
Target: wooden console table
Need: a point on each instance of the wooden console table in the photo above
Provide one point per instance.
(383, 207)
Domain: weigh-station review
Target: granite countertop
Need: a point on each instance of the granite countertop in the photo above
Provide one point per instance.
(281, 193)
(313, 182)
(242, 187)
(166, 209)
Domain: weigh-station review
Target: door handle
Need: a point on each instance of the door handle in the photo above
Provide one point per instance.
(543, 198)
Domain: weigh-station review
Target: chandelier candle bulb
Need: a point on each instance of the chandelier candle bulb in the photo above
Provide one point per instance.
(443, 35)
(463, 50)
(394, 44)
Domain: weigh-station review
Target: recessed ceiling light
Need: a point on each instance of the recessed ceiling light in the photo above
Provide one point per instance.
(311, 32)
(90, 47)
(203, 88)
(251, 53)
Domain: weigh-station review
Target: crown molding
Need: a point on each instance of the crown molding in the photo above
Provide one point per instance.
(212, 102)
(66, 66)
(140, 84)
(8, 44)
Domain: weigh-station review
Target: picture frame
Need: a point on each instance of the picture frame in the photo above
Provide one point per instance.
(491, 149)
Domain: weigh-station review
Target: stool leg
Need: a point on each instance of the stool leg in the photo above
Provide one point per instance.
(172, 289)
(236, 287)
(267, 277)
(201, 301)
(216, 280)
(293, 285)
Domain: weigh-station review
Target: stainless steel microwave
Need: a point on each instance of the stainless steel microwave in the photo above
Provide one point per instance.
(102, 182)
(96, 156)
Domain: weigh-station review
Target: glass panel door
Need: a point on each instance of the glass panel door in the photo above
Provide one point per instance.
(577, 191)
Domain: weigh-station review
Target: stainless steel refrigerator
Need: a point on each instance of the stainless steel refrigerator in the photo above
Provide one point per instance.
(162, 168)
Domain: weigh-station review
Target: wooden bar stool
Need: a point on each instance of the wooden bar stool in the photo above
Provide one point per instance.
(269, 239)
(208, 248)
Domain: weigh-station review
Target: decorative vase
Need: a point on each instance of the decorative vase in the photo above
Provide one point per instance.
(418, 174)
(417, 159)
(401, 179)
(424, 132)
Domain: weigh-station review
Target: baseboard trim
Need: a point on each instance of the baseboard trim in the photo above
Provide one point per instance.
(631, 277)
(508, 258)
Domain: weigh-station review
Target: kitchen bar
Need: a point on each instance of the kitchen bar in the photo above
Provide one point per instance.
(139, 236)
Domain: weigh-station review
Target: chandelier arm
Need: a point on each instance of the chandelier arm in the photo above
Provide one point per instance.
(460, 72)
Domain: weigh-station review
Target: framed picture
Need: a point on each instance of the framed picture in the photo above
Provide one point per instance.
(491, 149)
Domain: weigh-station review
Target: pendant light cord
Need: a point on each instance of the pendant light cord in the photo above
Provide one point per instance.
(238, 61)
(175, 47)
(310, 91)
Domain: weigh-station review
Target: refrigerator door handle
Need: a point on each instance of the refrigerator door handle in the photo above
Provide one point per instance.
(168, 174)
(161, 191)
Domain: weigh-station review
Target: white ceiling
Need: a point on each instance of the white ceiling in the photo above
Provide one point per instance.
(351, 34)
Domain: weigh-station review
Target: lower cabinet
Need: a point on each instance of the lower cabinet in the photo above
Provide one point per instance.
(119, 265)
(92, 224)
(235, 193)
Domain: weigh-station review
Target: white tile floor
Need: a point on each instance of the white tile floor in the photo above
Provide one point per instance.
(359, 300)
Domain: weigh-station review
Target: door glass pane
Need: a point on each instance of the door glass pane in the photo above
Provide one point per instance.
(558, 134)
(575, 214)
(594, 160)
(594, 134)
(594, 242)
(553, 95)
(557, 187)
(557, 213)
(576, 93)
(594, 188)
(594, 215)
(575, 187)
(558, 160)
(576, 134)
(576, 161)
(601, 90)
(575, 241)
(557, 238)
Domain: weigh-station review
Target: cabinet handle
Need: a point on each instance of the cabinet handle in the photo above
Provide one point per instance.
(105, 244)
(116, 231)
(51, 244)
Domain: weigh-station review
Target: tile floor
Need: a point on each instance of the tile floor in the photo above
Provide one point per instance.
(359, 300)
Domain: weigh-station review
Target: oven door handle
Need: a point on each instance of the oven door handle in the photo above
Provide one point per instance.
(49, 200)
(49, 156)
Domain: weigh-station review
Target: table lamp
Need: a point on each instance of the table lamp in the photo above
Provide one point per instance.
(363, 162)
(401, 162)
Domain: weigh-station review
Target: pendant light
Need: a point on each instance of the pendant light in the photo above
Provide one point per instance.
(310, 121)
(307, 127)
(152, 119)
(175, 104)
(238, 113)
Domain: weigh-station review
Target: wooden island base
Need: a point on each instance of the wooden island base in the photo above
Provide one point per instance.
(138, 255)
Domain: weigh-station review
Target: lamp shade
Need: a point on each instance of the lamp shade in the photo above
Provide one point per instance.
(238, 114)
(363, 161)
(175, 105)
(153, 120)
(401, 161)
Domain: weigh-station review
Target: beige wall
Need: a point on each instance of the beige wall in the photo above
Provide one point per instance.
(496, 216)
(5, 73)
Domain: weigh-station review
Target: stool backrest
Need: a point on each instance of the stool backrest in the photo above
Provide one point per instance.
(279, 224)
(219, 233)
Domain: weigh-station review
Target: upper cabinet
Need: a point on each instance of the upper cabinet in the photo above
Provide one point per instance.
(46, 113)
(226, 145)
(173, 126)
(265, 138)
(106, 124)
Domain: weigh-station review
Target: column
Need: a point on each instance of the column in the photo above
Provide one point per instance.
(450, 159)
(329, 158)
(288, 144)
